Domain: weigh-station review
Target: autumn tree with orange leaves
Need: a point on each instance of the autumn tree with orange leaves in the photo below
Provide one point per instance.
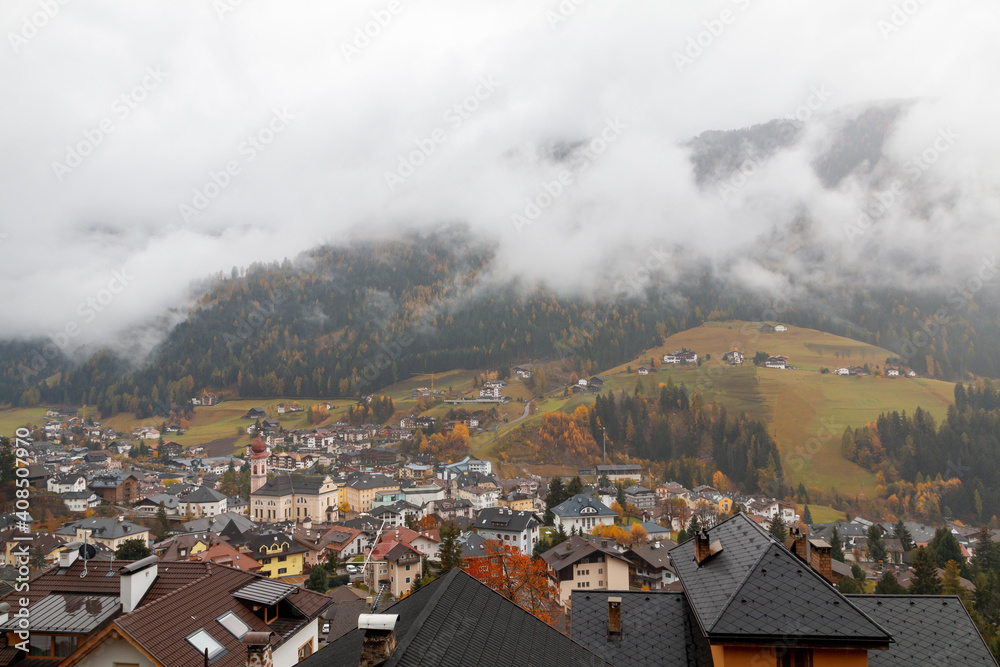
(516, 576)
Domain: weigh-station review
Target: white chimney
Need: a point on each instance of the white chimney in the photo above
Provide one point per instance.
(69, 554)
(136, 578)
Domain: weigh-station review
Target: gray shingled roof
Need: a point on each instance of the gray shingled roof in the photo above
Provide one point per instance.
(500, 518)
(756, 589)
(782, 596)
(657, 629)
(455, 621)
(743, 543)
(928, 629)
(574, 506)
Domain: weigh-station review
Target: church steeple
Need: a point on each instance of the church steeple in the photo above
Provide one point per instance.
(258, 464)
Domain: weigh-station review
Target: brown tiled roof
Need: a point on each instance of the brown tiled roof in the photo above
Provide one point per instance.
(161, 626)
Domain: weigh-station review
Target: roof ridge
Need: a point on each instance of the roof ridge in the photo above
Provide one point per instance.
(418, 622)
(149, 605)
(739, 587)
(783, 550)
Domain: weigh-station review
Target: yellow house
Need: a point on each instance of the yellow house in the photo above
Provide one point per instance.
(109, 532)
(278, 554)
(296, 498)
(725, 505)
(586, 563)
(360, 491)
(520, 502)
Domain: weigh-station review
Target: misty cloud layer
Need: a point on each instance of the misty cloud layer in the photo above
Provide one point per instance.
(222, 133)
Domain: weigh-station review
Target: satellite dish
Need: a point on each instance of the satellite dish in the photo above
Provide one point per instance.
(88, 551)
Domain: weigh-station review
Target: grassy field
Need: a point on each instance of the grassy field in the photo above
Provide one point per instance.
(822, 513)
(806, 410)
(12, 419)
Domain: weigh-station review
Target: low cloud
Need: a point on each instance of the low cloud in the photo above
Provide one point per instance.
(131, 204)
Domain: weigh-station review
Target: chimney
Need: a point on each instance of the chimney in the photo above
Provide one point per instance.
(69, 554)
(821, 559)
(703, 548)
(380, 638)
(798, 544)
(614, 618)
(136, 578)
(258, 649)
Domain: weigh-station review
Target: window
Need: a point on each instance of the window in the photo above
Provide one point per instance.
(281, 559)
(201, 640)
(794, 657)
(407, 580)
(234, 624)
(282, 570)
(600, 570)
(306, 650)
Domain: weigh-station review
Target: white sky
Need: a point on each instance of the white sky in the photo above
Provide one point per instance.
(225, 69)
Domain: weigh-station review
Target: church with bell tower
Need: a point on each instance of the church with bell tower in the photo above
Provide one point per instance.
(258, 464)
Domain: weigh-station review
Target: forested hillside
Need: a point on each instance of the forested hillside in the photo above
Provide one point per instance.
(677, 432)
(346, 320)
(926, 470)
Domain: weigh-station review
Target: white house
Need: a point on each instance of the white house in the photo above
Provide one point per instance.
(780, 327)
(582, 512)
(80, 501)
(776, 362)
(69, 483)
(843, 370)
(514, 528)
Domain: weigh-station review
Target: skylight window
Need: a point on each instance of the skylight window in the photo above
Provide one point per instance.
(234, 624)
(201, 640)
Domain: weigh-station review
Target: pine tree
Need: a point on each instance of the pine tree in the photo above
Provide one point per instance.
(451, 550)
(986, 559)
(925, 576)
(807, 516)
(900, 532)
(889, 585)
(777, 529)
(317, 579)
(837, 553)
(877, 551)
(557, 494)
(163, 524)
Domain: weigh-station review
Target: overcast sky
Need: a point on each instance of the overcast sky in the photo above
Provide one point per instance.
(121, 119)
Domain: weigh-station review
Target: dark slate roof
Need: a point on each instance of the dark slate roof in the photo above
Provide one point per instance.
(499, 518)
(286, 485)
(658, 628)
(574, 506)
(455, 621)
(378, 481)
(574, 549)
(756, 590)
(656, 556)
(203, 494)
(928, 629)
(782, 596)
(743, 543)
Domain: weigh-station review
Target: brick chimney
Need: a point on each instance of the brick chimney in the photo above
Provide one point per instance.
(614, 618)
(701, 546)
(258, 649)
(380, 638)
(821, 558)
(798, 544)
